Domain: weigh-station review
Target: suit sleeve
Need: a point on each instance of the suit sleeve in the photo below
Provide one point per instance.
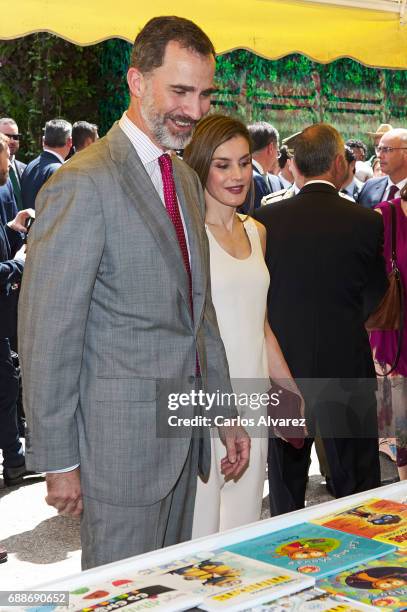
(15, 240)
(65, 248)
(10, 269)
(8, 206)
(10, 272)
(378, 281)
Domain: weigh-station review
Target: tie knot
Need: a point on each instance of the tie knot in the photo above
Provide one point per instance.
(392, 191)
(165, 163)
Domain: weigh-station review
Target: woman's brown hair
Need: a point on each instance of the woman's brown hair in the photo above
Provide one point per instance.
(209, 134)
(403, 193)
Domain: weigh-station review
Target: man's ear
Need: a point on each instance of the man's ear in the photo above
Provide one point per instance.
(341, 163)
(293, 167)
(136, 82)
(271, 147)
(339, 170)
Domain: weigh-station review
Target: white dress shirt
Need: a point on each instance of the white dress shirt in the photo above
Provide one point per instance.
(149, 153)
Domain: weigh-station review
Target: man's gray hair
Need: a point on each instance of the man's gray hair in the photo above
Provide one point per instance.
(262, 134)
(57, 132)
(7, 121)
(316, 148)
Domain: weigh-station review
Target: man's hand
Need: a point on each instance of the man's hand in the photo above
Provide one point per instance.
(64, 492)
(237, 444)
(18, 223)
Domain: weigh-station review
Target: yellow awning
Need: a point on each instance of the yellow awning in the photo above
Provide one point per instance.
(322, 30)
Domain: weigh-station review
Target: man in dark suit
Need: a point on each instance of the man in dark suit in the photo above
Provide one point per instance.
(9, 128)
(392, 152)
(57, 143)
(265, 141)
(8, 205)
(327, 272)
(12, 257)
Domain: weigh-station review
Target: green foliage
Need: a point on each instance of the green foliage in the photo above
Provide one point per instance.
(114, 62)
(43, 76)
(396, 81)
(295, 91)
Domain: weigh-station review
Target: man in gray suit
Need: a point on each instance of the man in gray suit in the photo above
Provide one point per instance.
(116, 309)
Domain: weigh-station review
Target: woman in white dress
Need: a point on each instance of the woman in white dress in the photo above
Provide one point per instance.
(220, 153)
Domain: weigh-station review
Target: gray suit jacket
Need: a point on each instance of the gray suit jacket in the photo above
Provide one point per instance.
(373, 191)
(105, 325)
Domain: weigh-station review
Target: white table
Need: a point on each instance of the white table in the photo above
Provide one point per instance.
(396, 492)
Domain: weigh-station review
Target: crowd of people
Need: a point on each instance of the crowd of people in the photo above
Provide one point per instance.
(182, 253)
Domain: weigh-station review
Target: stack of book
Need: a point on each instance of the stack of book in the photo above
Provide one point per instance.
(355, 559)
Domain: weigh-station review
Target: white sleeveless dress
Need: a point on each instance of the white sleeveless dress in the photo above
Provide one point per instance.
(239, 294)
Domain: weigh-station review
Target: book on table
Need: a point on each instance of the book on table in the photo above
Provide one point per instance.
(311, 549)
(381, 583)
(380, 519)
(312, 600)
(210, 580)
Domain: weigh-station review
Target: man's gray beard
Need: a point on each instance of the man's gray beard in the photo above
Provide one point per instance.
(160, 131)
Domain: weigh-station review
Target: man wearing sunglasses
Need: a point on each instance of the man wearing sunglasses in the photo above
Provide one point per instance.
(9, 128)
(392, 153)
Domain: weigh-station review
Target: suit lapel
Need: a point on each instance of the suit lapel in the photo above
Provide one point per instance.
(381, 188)
(19, 169)
(141, 192)
(195, 230)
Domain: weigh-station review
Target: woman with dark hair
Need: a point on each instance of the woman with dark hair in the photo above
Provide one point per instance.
(220, 153)
(384, 343)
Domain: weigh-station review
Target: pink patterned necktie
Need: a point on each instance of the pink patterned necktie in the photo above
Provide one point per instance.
(392, 192)
(171, 204)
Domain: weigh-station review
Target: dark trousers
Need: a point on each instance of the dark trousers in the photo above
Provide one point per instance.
(353, 464)
(344, 412)
(13, 454)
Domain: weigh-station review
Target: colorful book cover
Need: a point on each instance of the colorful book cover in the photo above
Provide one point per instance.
(380, 519)
(210, 580)
(311, 549)
(131, 594)
(156, 596)
(381, 583)
(312, 600)
(90, 595)
(227, 581)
